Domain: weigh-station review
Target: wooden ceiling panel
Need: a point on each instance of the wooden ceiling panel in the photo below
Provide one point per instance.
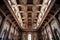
(31, 12)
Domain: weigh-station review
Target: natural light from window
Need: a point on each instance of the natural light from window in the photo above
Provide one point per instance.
(29, 36)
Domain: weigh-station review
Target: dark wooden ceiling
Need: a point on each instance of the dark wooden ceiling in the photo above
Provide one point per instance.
(28, 14)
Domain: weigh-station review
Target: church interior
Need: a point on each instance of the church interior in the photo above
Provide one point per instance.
(29, 19)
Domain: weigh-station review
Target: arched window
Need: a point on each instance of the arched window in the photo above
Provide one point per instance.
(29, 37)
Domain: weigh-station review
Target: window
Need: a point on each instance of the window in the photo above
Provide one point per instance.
(54, 25)
(11, 33)
(56, 29)
(12, 29)
(6, 26)
(5, 29)
(15, 32)
(29, 37)
(49, 33)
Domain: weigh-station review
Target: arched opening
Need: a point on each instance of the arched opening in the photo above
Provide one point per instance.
(29, 37)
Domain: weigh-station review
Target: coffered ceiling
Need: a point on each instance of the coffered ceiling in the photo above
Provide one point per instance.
(29, 13)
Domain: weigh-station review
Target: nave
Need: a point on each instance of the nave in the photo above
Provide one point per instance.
(29, 19)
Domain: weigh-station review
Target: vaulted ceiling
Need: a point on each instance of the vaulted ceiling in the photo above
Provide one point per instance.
(30, 14)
